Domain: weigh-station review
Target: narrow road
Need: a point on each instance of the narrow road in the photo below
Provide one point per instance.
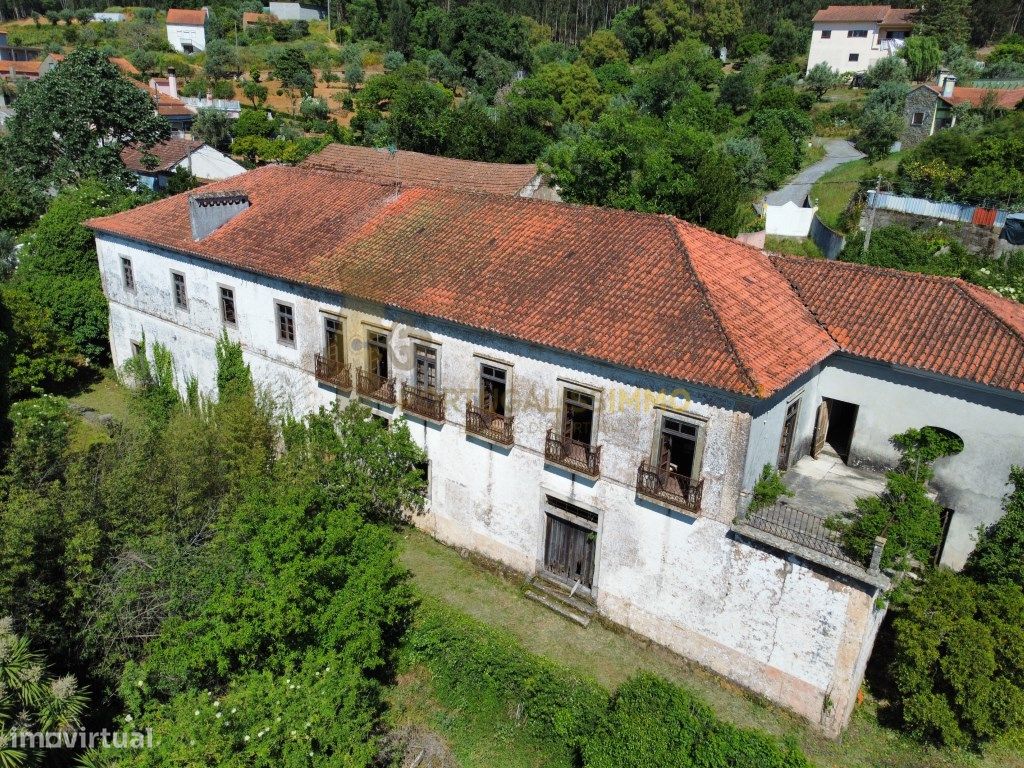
(837, 152)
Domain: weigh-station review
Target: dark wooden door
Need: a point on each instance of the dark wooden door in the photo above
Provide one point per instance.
(569, 551)
(788, 433)
(820, 429)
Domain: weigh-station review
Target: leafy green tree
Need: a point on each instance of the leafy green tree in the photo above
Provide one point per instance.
(254, 122)
(821, 79)
(603, 47)
(575, 89)
(38, 357)
(957, 671)
(629, 26)
(354, 74)
(73, 122)
(220, 61)
(213, 127)
(482, 27)
(948, 21)
(720, 21)
(292, 68)
(999, 556)
(922, 55)
(255, 92)
(877, 130)
(890, 69)
(400, 26)
(366, 20)
(668, 22)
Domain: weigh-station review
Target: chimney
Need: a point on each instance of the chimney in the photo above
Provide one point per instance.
(948, 85)
(209, 211)
(172, 82)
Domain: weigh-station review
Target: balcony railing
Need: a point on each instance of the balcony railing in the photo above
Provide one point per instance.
(423, 401)
(669, 488)
(488, 424)
(333, 372)
(572, 454)
(375, 387)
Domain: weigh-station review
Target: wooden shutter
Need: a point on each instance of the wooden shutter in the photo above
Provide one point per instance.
(820, 430)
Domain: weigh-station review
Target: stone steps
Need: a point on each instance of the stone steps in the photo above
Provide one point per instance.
(556, 597)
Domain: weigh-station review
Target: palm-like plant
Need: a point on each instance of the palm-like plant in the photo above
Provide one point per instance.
(29, 699)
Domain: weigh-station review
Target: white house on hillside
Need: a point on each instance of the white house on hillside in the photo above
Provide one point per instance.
(186, 29)
(155, 166)
(850, 38)
(597, 391)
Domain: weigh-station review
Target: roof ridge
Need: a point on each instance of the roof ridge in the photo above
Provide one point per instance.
(961, 286)
(755, 387)
(773, 260)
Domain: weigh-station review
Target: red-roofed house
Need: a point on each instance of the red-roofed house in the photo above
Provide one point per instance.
(850, 38)
(253, 19)
(186, 29)
(930, 108)
(155, 166)
(597, 392)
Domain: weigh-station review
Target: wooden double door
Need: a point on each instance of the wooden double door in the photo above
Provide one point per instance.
(569, 551)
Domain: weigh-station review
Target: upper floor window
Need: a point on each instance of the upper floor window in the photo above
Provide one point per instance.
(826, 34)
(227, 306)
(377, 353)
(285, 323)
(493, 386)
(180, 294)
(334, 345)
(854, 57)
(578, 416)
(127, 275)
(857, 33)
(918, 119)
(679, 446)
(425, 366)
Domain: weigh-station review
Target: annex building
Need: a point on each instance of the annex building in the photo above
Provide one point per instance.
(597, 392)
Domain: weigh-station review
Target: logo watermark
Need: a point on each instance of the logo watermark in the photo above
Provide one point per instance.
(80, 739)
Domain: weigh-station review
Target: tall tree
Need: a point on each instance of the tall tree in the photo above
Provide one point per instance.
(948, 21)
(73, 122)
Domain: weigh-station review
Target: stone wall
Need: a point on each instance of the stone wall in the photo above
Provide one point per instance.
(921, 99)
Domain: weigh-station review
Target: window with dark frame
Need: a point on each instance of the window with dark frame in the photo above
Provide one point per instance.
(334, 345)
(854, 57)
(857, 33)
(826, 34)
(377, 353)
(180, 294)
(578, 416)
(285, 323)
(493, 385)
(127, 274)
(425, 366)
(677, 447)
(918, 119)
(227, 306)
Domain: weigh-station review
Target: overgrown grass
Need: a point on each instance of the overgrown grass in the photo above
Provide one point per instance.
(794, 246)
(611, 658)
(833, 192)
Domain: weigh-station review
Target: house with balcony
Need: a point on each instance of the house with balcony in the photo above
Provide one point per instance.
(850, 38)
(597, 392)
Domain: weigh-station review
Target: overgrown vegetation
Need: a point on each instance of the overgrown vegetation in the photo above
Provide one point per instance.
(768, 489)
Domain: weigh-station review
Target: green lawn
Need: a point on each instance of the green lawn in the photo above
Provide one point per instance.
(794, 246)
(833, 191)
(611, 657)
(104, 397)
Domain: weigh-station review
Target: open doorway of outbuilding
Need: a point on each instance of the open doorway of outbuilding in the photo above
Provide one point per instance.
(834, 428)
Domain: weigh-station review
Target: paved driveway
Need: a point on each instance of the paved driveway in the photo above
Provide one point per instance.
(837, 152)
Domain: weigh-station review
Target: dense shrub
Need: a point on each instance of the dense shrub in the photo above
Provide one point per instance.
(655, 724)
(999, 556)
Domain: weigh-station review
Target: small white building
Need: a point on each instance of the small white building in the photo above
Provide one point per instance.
(294, 12)
(186, 29)
(597, 391)
(155, 166)
(850, 38)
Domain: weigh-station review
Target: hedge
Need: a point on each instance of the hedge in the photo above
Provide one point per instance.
(648, 723)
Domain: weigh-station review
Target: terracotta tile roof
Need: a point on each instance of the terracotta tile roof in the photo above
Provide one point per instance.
(20, 68)
(251, 17)
(1005, 98)
(168, 154)
(937, 324)
(165, 104)
(880, 14)
(187, 17)
(419, 170)
(641, 291)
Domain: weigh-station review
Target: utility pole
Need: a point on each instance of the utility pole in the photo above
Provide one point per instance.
(871, 216)
(328, 15)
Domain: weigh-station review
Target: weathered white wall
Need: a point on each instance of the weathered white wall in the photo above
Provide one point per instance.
(293, 12)
(775, 626)
(836, 50)
(178, 35)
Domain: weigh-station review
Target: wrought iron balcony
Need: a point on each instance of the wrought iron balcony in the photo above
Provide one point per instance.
(334, 373)
(669, 488)
(375, 387)
(490, 425)
(573, 454)
(423, 401)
